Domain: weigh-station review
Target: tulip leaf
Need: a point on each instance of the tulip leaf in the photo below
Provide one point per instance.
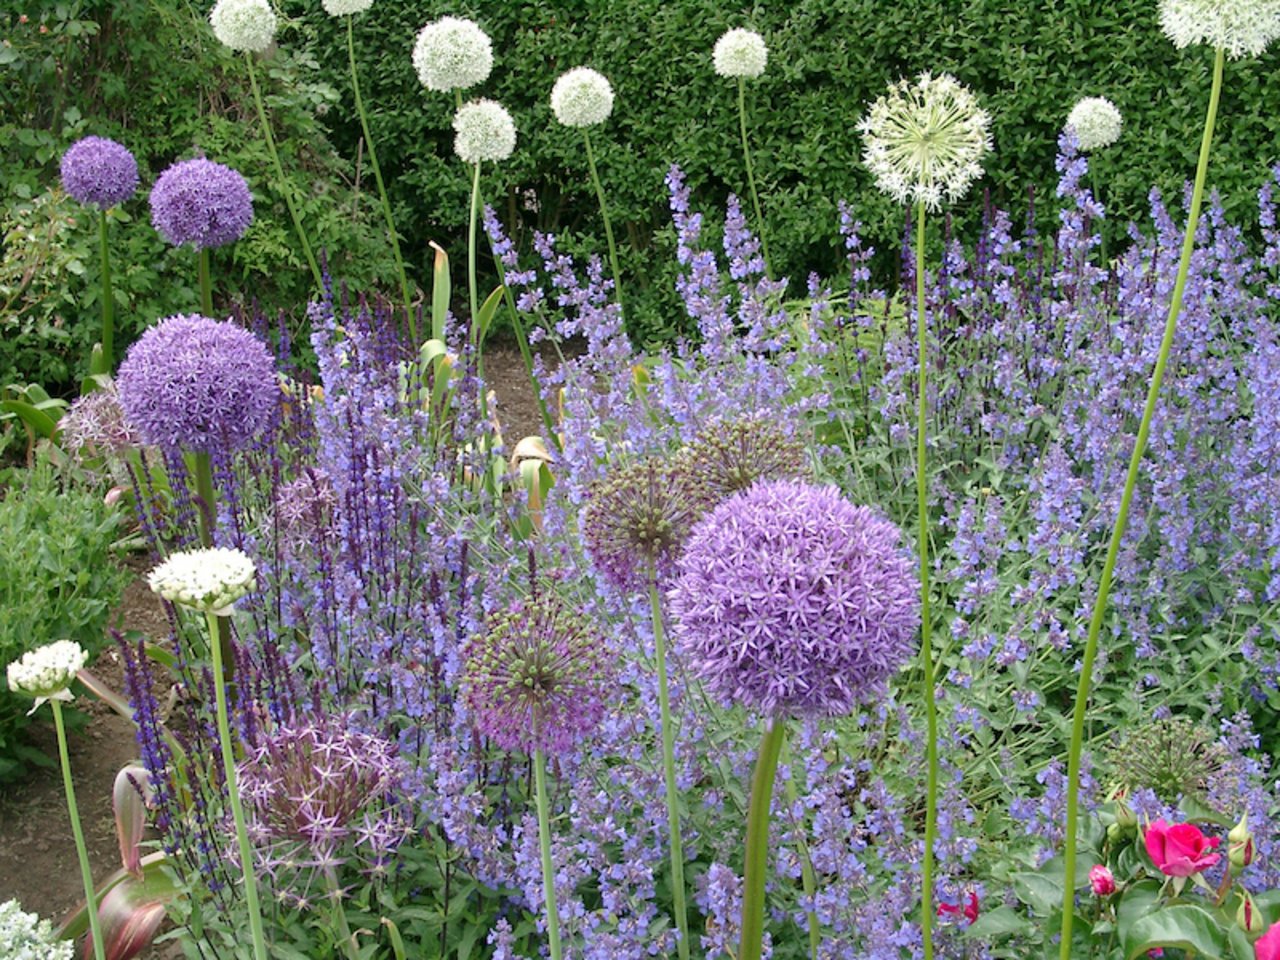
(1181, 925)
(441, 291)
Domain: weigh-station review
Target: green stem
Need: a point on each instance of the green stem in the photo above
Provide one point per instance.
(669, 773)
(808, 878)
(544, 839)
(1122, 519)
(751, 177)
(757, 855)
(349, 946)
(285, 189)
(206, 283)
(108, 299)
(202, 471)
(604, 212)
(82, 852)
(233, 794)
(382, 190)
(472, 287)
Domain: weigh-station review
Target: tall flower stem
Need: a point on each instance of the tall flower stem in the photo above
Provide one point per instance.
(343, 928)
(472, 287)
(282, 184)
(382, 190)
(82, 852)
(233, 794)
(604, 212)
(751, 177)
(757, 856)
(669, 772)
(206, 514)
(108, 299)
(1122, 519)
(522, 341)
(548, 868)
(206, 283)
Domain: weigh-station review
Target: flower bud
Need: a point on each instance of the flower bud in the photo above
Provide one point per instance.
(1240, 848)
(1101, 881)
(1125, 817)
(1249, 918)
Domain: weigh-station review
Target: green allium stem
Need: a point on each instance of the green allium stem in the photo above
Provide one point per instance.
(349, 946)
(756, 863)
(82, 852)
(108, 299)
(206, 283)
(751, 176)
(548, 868)
(285, 189)
(233, 794)
(472, 287)
(676, 846)
(382, 190)
(604, 212)
(1122, 519)
(202, 473)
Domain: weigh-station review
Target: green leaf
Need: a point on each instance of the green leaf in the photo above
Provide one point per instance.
(1043, 894)
(1182, 925)
(1000, 922)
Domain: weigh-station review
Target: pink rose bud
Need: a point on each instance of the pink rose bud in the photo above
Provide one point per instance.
(1180, 849)
(1240, 844)
(1102, 881)
(1249, 918)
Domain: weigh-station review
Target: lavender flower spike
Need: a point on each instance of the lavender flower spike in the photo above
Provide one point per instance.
(99, 172)
(201, 203)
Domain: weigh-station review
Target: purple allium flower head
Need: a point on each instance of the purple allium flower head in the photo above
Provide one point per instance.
(99, 172)
(791, 600)
(95, 426)
(197, 384)
(730, 455)
(201, 203)
(537, 678)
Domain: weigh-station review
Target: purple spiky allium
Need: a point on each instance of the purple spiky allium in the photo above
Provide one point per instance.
(537, 677)
(791, 600)
(201, 203)
(99, 172)
(195, 384)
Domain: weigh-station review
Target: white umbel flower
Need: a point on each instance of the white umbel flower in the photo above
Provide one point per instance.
(740, 53)
(1096, 123)
(452, 53)
(924, 141)
(582, 98)
(46, 672)
(209, 579)
(483, 131)
(1240, 27)
(340, 8)
(244, 25)
(24, 936)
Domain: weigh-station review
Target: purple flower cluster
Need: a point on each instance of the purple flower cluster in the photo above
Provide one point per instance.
(201, 203)
(99, 172)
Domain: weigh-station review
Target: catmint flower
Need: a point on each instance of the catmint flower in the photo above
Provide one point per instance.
(740, 53)
(99, 172)
(341, 8)
(1240, 27)
(791, 600)
(1096, 123)
(582, 98)
(46, 672)
(538, 677)
(24, 936)
(209, 579)
(244, 25)
(483, 131)
(452, 53)
(201, 203)
(924, 141)
(196, 384)
(730, 455)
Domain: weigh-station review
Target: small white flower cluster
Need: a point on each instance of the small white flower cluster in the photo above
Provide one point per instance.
(46, 672)
(740, 53)
(582, 98)
(452, 53)
(1240, 27)
(244, 25)
(24, 936)
(209, 579)
(340, 8)
(1096, 123)
(483, 131)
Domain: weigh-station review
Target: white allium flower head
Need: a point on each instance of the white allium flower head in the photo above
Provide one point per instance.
(925, 140)
(46, 672)
(452, 53)
(1096, 123)
(244, 25)
(483, 130)
(340, 8)
(1240, 27)
(209, 579)
(24, 936)
(582, 98)
(740, 53)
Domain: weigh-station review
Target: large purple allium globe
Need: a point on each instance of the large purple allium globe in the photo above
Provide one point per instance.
(792, 601)
(99, 172)
(201, 203)
(196, 384)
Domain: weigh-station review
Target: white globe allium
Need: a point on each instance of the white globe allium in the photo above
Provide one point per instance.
(740, 53)
(1096, 123)
(924, 141)
(340, 8)
(483, 130)
(244, 25)
(452, 53)
(46, 672)
(24, 936)
(582, 98)
(209, 579)
(1240, 27)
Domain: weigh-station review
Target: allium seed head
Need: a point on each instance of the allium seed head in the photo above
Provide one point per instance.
(1174, 757)
(790, 600)
(244, 25)
(95, 426)
(340, 8)
(740, 53)
(730, 455)
(201, 203)
(99, 172)
(305, 507)
(582, 98)
(483, 131)
(1096, 123)
(924, 141)
(1240, 27)
(452, 53)
(209, 579)
(46, 673)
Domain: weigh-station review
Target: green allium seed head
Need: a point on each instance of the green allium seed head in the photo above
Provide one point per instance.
(1173, 757)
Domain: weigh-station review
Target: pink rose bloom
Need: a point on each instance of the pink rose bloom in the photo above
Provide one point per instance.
(1102, 881)
(969, 910)
(1267, 946)
(1180, 849)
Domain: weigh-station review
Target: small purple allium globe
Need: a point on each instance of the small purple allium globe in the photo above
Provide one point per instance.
(793, 601)
(194, 384)
(99, 172)
(201, 203)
